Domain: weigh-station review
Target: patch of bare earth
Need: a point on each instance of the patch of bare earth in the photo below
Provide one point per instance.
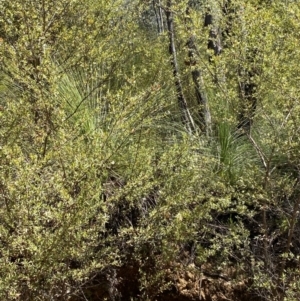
(187, 284)
(208, 286)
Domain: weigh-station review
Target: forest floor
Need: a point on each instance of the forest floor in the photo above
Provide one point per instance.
(183, 286)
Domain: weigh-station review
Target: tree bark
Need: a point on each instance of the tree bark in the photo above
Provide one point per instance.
(247, 85)
(214, 41)
(201, 96)
(246, 75)
(247, 88)
(158, 15)
(185, 113)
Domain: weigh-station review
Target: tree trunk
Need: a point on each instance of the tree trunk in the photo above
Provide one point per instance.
(201, 96)
(246, 76)
(247, 85)
(158, 15)
(214, 41)
(185, 113)
(247, 88)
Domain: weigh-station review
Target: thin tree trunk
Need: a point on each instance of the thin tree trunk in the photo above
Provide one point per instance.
(159, 16)
(246, 76)
(247, 85)
(201, 96)
(248, 99)
(185, 113)
(214, 41)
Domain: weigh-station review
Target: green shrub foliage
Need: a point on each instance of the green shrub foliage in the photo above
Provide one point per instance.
(131, 149)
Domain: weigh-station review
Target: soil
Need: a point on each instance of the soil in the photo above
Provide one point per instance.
(188, 285)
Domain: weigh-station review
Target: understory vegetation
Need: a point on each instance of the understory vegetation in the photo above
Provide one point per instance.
(143, 139)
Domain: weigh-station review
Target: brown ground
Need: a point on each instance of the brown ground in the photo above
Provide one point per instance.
(188, 285)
